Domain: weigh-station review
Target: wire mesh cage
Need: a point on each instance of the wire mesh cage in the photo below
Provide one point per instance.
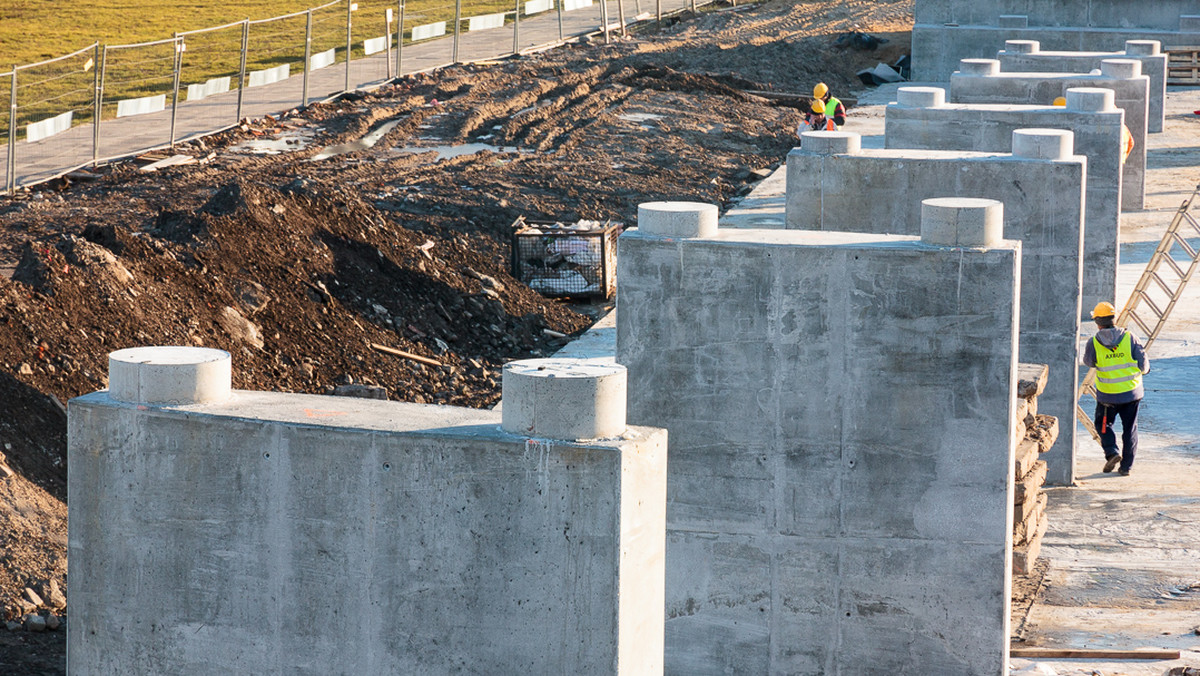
(566, 260)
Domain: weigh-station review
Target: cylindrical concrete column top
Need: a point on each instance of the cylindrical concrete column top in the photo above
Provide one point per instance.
(169, 375)
(1043, 144)
(565, 399)
(1120, 69)
(962, 221)
(830, 142)
(921, 97)
(1091, 99)
(1013, 21)
(677, 219)
(1022, 46)
(1143, 48)
(979, 66)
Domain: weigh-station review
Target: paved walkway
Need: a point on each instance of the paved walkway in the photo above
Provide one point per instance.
(45, 159)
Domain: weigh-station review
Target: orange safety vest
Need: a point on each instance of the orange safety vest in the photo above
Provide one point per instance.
(1126, 143)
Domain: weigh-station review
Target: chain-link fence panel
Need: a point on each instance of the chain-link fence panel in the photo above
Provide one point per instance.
(210, 73)
(371, 53)
(327, 58)
(10, 140)
(274, 70)
(486, 29)
(428, 40)
(136, 81)
(55, 102)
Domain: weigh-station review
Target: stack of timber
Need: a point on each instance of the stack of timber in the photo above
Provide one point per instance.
(1037, 434)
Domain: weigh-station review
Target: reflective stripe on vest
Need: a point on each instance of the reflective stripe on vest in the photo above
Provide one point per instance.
(1116, 369)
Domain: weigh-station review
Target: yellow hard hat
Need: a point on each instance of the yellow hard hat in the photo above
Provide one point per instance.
(1060, 101)
(818, 106)
(820, 90)
(1104, 309)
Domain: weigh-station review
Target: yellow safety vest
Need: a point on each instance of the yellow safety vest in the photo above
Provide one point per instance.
(1116, 369)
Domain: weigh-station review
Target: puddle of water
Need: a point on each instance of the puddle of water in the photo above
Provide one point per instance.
(445, 152)
(288, 141)
(363, 143)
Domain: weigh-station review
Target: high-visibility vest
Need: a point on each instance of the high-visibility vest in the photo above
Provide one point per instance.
(1116, 369)
(831, 106)
(829, 125)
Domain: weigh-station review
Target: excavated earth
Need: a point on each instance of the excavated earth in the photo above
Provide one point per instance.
(298, 264)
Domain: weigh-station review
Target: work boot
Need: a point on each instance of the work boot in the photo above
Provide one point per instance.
(1110, 463)
(1124, 472)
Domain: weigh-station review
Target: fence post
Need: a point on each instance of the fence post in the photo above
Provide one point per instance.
(517, 28)
(400, 42)
(387, 52)
(658, 11)
(307, 56)
(100, 103)
(242, 68)
(558, 4)
(621, 13)
(604, 19)
(349, 9)
(694, 11)
(457, 20)
(178, 44)
(12, 134)
(96, 65)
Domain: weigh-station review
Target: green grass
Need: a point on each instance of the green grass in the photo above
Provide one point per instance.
(32, 31)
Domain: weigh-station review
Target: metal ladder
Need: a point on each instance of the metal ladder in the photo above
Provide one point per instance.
(1156, 315)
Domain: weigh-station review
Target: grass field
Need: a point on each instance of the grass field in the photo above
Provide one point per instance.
(32, 31)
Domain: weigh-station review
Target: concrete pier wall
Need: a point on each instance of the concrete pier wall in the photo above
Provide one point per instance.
(840, 411)
(1042, 189)
(1159, 14)
(288, 534)
(921, 119)
(980, 81)
(937, 49)
(1027, 56)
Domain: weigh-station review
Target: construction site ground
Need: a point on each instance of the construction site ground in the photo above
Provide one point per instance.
(297, 266)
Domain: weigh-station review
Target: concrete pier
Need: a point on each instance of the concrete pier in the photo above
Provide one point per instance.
(1041, 185)
(921, 119)
(1028, 56)
(840, 409)
(979, 81)
(256, 532)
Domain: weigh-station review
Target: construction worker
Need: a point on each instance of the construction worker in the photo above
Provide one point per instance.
(816, 120)
(1119, 360)
(1126, 135)
(834, 109)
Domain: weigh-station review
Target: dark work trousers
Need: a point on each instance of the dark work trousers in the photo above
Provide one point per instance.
(1106, 415)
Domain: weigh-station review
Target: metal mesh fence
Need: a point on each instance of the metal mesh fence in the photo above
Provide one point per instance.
(136, 81)
(210, 74)
(106, 102)
(52, 103)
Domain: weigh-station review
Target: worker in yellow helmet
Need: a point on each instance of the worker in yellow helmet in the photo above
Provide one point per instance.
(834, 109)
(816, 119)
(1119, 360)
(1126, 135)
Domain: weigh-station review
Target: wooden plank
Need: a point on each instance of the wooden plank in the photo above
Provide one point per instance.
(406, 355)
(1093, 654)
